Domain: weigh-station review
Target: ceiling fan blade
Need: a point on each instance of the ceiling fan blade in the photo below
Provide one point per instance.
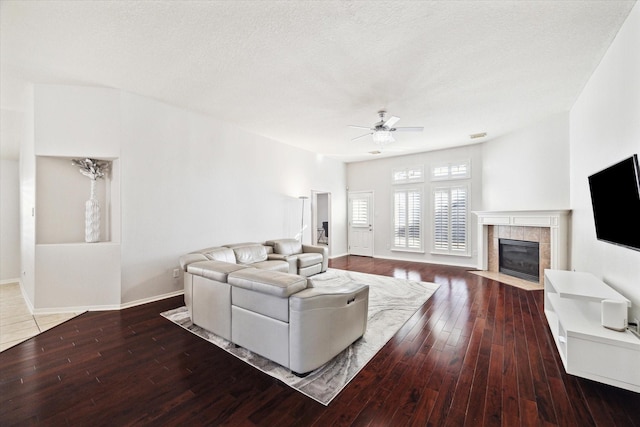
(361, 136)
(391, 121)
(410, 129)
(359, 127)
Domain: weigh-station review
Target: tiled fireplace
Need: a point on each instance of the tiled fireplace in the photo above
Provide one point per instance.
(547, 228)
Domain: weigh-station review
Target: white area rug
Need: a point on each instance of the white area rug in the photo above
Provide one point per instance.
(391, 303)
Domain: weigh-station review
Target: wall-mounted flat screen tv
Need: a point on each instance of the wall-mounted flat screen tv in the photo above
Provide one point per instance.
(615, 197)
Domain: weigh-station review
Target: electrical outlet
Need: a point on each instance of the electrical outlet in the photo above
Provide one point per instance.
(176, 273)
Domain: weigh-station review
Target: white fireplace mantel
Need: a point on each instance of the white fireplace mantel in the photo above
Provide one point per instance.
(557, 221)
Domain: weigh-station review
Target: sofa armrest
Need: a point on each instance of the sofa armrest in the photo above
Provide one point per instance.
(291, 259)
(323, 322)
(187, 259)
(277, 257)
(321, 250)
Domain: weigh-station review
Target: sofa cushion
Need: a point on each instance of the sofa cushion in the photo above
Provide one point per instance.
(214, 270)
(268, 282)
(273, 265)
(305, 260)
(240, 245)
(219, 254)
(250, 254)
(286, 246)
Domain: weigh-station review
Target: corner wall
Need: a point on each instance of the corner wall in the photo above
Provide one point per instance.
(10, 221)
(528, 169)
(605, 128)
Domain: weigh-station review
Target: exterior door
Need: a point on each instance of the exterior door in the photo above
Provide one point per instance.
(361, 223)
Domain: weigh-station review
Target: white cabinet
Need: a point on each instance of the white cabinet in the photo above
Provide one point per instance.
(587, 349)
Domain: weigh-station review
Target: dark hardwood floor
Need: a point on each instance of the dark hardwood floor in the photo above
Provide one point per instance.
(476, 353)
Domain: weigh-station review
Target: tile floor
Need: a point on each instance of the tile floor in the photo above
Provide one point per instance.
(17, 324)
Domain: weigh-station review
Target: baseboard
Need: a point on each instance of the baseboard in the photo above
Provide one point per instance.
(338, 256)
(9, 281)
(151, 299)
(109, 307)
(470, 266)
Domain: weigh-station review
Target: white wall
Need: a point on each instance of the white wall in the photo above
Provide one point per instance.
(528, 169)
(186, 181)
(190, 181)
(9, 221)
(605, 128)
(28, 200)
(375, 175)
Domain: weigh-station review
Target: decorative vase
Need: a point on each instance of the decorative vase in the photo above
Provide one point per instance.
(92, 217)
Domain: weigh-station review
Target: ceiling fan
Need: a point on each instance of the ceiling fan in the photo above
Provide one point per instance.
(381, 131)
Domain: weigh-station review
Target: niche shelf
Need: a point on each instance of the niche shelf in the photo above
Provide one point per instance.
(61, 193)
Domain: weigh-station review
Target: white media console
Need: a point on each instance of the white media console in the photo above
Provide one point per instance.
(572, 305)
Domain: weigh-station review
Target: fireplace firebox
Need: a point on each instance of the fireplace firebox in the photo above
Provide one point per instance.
(519, 258)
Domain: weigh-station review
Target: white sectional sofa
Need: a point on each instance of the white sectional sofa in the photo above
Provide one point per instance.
(255, 302)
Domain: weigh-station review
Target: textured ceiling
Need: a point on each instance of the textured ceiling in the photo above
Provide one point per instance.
(300, 71)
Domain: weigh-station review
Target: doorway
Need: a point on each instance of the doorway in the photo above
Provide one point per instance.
(361, 223)
(321, 218)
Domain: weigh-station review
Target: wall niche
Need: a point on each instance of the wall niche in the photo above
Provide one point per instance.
(61, 193)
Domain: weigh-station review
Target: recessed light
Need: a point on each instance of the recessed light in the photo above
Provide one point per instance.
(478, 135)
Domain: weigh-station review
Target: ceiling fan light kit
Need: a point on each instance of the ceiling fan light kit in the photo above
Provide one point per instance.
(382, 137)
(381, 132)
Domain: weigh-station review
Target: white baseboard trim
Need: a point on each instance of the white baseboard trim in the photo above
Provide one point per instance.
(27, 301)
(151, 299)
(338, 256)
(109, 307)
(470, 266)
(9, 281)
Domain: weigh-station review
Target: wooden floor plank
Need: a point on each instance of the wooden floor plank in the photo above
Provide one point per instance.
(477, 352)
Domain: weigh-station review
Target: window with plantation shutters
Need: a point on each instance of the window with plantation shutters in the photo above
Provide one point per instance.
(407, 175)
(452, 170)
(450, 219)
(407, 219)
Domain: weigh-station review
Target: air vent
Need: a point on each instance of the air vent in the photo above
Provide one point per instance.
(478, 135)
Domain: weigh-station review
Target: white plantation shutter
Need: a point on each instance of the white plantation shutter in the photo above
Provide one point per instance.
(407, 219)
(407, 175)
(454, 170)
(441, 219)
(459, 219)
(359, 212)
(450, 219)
(414, 219)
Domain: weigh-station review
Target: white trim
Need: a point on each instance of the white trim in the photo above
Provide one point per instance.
(556, 220)
(469, 266)
(9, 281)
(339, 255)
(152, 299)
(27, 301)
(110, 307)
